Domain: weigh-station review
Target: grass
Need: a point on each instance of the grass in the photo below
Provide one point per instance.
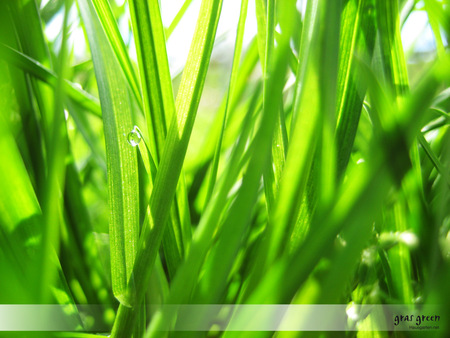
(320, 175)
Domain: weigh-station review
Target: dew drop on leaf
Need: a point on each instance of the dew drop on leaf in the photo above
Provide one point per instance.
(134, 137)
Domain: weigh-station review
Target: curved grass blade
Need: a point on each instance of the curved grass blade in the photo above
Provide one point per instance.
(78, 95)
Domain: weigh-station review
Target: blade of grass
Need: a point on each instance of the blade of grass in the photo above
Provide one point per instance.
(121, 156)
(109, 25)
(159, 108)
(358, 35)
(231, 87)
(56, 151)
(173, 155)
(359, 199)
(245, 70)
(221, 258)
(203, 238)
(176, 20)
(300, 153)
(24, 62)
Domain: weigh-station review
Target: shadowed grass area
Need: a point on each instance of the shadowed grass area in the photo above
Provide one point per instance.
(302, 157)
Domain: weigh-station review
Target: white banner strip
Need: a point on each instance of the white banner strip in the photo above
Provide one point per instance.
(222, 317)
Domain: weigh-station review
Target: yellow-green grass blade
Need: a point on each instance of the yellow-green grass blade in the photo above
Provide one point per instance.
(111, 29)
(175, 147)
(121, 156)
(231, 87)
(357, 36)
(52, 205)
(272, 173)
(159, 108)
(24, 62)
(245, 70)
(392, 56)
(176, 20)
(186, 279)
(300, 153)
(236, 223)
(357, 204)
(267, 18)
(329, 74)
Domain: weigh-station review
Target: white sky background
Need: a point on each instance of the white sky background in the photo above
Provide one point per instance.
(415, 33)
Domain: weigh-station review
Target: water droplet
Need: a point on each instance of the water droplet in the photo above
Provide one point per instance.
(134, 137)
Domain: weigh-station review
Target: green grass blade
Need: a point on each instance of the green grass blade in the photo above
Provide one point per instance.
(358, 35)
(24, 62)
(185, 281)
(393, 58)
(301, 149)
(173, 155)
(237, 221)
(231, 88)
(56, 151)
(159, 108)
(121, 156)
(178, 18)
(109, 25)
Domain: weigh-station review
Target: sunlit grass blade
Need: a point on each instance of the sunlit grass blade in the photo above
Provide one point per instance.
(369, 182)
(159, 108)
(52, 205)
(358, 36)
(78, 95)
(186, 279)
(231, 87)
(175, 147)
(176, 20)
(109, 25)
(248, 64)
(300, 153)
(121, 155)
